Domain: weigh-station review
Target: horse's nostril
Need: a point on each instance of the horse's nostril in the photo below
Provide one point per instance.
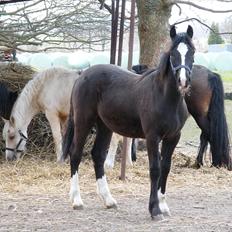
(11, 157)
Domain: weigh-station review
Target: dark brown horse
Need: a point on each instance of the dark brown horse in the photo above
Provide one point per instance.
(7, 100)
(150, 106)
(206, 104)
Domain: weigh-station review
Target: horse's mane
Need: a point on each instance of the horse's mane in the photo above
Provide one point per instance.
(25, 99)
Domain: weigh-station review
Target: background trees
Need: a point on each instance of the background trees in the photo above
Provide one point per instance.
(41, 25)
(153, 25)
(48, 24)
(215, 37)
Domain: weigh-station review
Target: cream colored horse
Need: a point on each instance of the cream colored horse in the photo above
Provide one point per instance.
(49, 92)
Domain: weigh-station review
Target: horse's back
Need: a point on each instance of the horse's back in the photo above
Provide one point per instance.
(106, 72)
(56, 89)
(99, 79)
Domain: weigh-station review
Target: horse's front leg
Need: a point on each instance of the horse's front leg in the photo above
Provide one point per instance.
(154, 165)
(168, 146)
(56, 133)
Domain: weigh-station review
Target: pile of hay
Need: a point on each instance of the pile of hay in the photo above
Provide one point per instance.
(40, 141)
(15, 75)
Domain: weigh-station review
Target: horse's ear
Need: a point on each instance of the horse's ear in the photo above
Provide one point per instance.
(12, 121)
(190, 31)
(5, 120)
(173, 32)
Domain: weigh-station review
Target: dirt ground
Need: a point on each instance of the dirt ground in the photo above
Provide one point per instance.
(34, 197)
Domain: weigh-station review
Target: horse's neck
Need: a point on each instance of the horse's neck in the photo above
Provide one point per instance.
(170, 89)
(23, 116)
(26, 106)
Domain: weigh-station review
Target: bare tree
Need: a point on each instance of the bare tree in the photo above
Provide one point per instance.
(154, 26)
(153, 18)
(52, 24)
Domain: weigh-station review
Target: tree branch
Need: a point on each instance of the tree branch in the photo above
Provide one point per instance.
(204, 24)
(200, 7)
(82, 23)
(107, 7)
(3, 2)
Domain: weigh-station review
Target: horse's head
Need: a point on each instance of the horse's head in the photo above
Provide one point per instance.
(182, 57)
(15, 139)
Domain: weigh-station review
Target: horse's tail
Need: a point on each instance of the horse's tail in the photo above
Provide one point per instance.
(68, 136)
(219, 134)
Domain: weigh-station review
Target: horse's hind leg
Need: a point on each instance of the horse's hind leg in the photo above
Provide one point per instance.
(110, 158)
(202, 149)
(168, 146)
(101, 144)
(203, 123)
(129, 152)
(81, 132)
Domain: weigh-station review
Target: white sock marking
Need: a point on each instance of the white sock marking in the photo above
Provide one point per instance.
(104, 192)
(74, 193)
(163, 204)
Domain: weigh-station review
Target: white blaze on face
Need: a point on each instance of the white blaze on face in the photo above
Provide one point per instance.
(182, 48)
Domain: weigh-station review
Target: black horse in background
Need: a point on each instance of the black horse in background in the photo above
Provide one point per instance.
(206, 104)
(149, 106)
(7, 100)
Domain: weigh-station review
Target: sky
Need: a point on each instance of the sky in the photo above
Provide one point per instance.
(204, 16)
(200, 32)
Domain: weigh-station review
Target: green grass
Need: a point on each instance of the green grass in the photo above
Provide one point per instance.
(191, 132)
(226, 76)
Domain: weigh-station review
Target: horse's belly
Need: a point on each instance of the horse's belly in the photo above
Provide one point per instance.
(123, 125)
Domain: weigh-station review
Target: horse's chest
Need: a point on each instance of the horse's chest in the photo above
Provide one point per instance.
(171, 122)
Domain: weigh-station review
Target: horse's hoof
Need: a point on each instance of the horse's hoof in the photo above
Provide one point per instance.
(114, 206)
(108, 165)
(197, 165)
(60, 161)
(78, 207)
(166, 214)
(158, 218)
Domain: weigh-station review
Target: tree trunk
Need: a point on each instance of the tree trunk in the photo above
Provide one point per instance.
(153, 29)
